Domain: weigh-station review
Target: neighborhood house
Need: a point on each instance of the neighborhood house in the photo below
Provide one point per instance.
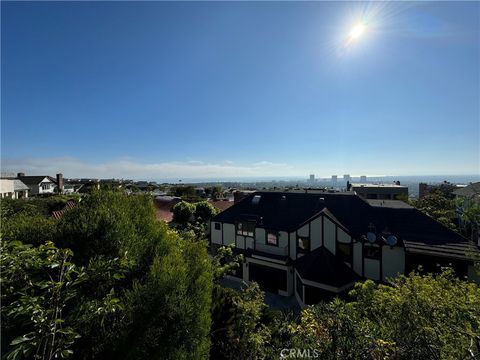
(316, 245)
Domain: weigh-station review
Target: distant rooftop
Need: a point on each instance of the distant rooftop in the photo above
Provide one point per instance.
(393, 204)
(377, 185)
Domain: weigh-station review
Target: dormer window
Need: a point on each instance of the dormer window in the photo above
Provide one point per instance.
(246, 228)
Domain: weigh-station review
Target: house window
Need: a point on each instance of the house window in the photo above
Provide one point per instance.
(372, 252)
(272, 238)
(303, 244)
(45, 186)
(217, 226)
(246, 228)
(344, 252)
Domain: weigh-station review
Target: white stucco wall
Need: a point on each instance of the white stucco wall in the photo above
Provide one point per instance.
(260, 235)
(293, 245)
(303, 231)
(282, 239)
(371, 269)
(329, 235)
(316, 235)
(357, 258)
(393, 262)
(216, 235)
(228, 234)
(240, 242)
(343, 237)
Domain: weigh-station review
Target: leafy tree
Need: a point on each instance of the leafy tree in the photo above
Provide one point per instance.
(419, 317)
(183, 212)
(30, 226)
(439, 207)
(204, 211)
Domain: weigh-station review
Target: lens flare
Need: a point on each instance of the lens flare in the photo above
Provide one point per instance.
(357, 31)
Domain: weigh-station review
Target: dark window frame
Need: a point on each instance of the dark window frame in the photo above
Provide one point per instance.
(299, 248)
(243, 228)
(368, 255)
(273, 232)
(218, 226)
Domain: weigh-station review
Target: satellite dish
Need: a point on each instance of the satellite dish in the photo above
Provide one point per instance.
(371, 237)
(392, 240)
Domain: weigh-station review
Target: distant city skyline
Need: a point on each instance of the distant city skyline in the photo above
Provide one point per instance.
(169, 90)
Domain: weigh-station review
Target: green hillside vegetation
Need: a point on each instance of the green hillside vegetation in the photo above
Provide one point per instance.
(108, 281)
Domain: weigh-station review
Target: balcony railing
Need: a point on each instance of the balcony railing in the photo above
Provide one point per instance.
(274, 250)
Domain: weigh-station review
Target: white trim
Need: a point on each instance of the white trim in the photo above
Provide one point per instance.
(267, 263)
(283, 262)
(323, 286)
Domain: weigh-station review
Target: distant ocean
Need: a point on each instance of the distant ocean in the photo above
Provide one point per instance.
(429, 179)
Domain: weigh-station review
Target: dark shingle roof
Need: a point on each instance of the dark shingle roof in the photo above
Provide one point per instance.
(323, 267)
(288, 211)
(34, 180)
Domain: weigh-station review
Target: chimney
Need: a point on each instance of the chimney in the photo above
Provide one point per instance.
(20, 174)
(60, 182)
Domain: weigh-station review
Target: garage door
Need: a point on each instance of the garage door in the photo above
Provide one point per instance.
(269, 279)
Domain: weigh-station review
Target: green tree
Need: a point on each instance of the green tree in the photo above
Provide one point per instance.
(204, 211)
(183, 212)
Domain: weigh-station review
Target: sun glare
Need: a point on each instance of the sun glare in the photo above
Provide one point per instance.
(357, 31)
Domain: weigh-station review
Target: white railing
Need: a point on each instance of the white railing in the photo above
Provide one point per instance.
(274, 250)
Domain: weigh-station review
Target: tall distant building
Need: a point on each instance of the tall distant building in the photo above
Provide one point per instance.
(347, 177)
(334, 179)
(363, 179)
(312, 178)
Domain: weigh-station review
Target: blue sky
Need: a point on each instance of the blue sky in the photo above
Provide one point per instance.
(214, 89)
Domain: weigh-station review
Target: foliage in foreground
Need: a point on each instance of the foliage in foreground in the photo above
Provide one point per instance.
(419, 317)
(113, 284)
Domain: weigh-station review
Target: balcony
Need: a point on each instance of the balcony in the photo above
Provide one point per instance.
(271, 250)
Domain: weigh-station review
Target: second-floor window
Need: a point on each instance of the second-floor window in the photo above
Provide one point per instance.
(246, 228)
(303, 244)
(45, 186)
(272, 238)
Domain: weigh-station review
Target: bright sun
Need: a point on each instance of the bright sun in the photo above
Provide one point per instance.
(357, 31)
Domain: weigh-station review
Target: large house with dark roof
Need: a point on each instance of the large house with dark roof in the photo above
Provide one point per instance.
(316, 245)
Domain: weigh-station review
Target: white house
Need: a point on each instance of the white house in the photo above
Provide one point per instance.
(39, 184)
(316, 245)
(13, 188)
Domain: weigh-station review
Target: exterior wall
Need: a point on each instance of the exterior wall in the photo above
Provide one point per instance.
(216, 235)
(260, 236)
(316, 233)
(303, 231)
(371, 269)
(283, 239)
(357, 258)
(329, 240)
(240, 242)
(228, 233)
(293, 245)
(393, 262)
(343, 237)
